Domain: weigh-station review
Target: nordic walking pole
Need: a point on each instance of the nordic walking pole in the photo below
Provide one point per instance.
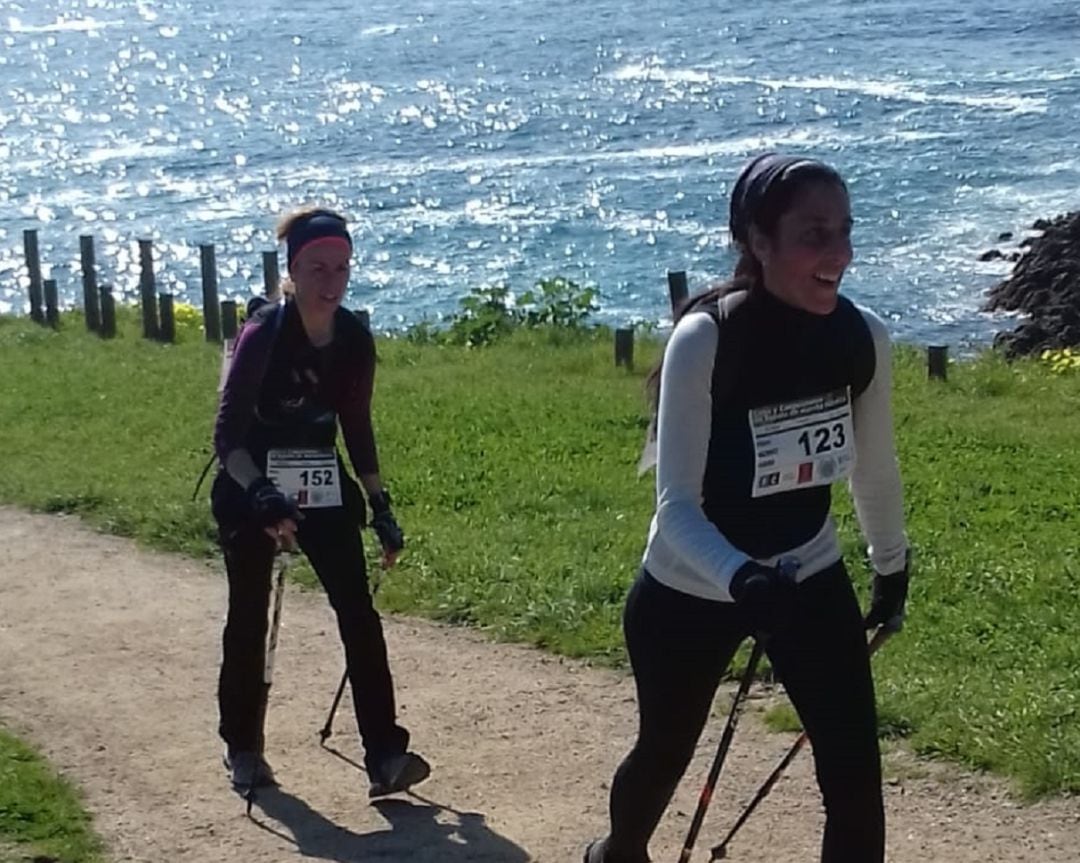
(721, 752)
(328, 726)
(271, 651)
(719, 852)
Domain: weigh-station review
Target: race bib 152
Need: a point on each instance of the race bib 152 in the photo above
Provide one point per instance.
(308, 477)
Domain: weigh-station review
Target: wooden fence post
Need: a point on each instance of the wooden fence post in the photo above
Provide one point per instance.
(211, 309)
(108, 313)
(147, 289)
(624, 348)
(270, 272)
(33, 268)
(91, 304)
(52, 312)
(167, 333)
(677, 288)
(228, 319)
(937, 362)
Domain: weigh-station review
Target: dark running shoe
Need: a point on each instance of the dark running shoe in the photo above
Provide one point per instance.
(398, 773)
(596, 852)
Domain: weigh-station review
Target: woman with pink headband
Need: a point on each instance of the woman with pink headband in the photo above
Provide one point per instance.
(300, 369)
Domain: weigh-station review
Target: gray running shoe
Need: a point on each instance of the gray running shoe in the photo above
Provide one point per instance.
(248, 770)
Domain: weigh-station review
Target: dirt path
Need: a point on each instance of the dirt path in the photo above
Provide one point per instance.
(108, 661)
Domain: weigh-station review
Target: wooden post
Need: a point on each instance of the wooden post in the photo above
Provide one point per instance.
(270, 272)
(677, 289)
(937, 361)
(624, 348)
(167, 333)
(364, 316)
(33, 267)
(91, 304)
(211, 309)
(108, 313)
(228, 319)
(52, 313)
(147, 289)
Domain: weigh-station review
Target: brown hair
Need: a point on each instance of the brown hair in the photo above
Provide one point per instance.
(285, 287)
(765, 214)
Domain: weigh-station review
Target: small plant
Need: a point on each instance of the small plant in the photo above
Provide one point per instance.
(1061, 361)
(189, 320)
(423, 332)
(489, 313)
(557, 302)
(484, 317)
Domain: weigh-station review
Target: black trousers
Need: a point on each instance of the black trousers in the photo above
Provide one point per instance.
(679, 648)
(330, 538)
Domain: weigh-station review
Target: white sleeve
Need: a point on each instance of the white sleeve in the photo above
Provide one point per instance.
(875, 481)
(683, 430)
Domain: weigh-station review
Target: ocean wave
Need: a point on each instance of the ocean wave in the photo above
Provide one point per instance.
(128, 151)
(652, 70)
(914, 136)
(1026, 76)
(897, 90)
(814, 136)
(383, 29)
(635, 225)
(61, 25)
(905, 91)
(1068, 167)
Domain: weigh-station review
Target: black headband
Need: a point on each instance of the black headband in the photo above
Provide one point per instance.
(317, 225)
(756, 181)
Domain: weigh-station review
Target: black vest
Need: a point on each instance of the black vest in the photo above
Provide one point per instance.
(769, 352)
(296, 402)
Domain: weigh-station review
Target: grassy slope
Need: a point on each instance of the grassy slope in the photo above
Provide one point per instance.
(514, 472)
(40, 814)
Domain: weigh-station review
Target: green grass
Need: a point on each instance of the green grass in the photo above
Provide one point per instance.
(782, 718)
(40, 814)
(514, 472)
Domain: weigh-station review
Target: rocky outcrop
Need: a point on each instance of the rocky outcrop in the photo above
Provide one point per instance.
(1045, 286)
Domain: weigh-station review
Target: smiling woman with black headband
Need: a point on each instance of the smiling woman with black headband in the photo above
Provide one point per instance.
(300, 369)
(771, 388)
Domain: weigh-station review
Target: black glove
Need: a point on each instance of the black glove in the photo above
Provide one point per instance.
(384, 524)
(268, 504)
(887, 601)
(765, 595)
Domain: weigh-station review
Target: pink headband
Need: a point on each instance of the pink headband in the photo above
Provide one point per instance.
(295, 253)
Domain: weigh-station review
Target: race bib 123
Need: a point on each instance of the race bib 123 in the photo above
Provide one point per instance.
(803, 443)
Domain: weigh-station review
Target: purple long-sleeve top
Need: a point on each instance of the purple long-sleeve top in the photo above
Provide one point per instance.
(274, 367)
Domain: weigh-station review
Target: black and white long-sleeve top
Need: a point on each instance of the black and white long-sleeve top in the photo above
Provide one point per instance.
(762, 407)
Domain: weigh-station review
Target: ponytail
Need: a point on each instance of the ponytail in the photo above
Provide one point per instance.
(747, 277)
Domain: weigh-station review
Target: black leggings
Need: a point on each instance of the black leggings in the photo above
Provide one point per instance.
(331, 540)
(679, 648)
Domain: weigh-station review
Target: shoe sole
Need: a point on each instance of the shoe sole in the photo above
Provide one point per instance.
(414, 773)
(262, 783)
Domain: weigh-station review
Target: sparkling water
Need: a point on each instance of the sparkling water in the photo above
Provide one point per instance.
(475, 142)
